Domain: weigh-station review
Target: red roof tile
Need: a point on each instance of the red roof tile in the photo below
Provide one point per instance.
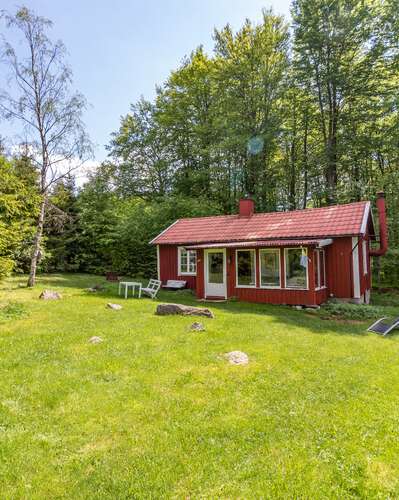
(335, 220)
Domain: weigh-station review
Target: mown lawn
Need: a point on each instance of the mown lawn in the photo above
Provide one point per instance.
(155, 411)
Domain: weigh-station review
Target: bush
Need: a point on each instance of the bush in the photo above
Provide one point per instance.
(6, 267)
(351, 311)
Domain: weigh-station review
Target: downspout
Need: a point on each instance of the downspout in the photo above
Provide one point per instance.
(383, 227)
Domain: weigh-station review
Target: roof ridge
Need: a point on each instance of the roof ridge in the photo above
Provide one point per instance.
(257, 214)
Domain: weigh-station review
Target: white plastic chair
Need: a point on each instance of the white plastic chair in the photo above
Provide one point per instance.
(152, 288)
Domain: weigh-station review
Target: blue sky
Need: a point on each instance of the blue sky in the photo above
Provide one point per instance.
(119, 50)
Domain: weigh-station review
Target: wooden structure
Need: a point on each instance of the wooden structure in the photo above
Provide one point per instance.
(301, 257)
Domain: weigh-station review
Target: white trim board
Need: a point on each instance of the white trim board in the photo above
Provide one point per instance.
(365, 218)
(158, 264)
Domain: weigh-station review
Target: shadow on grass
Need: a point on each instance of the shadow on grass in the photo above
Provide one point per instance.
(285, 315)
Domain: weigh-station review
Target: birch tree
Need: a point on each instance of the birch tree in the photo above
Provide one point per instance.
(39, 97)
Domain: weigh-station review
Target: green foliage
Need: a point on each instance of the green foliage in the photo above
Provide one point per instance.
(6, 267)
(140, 222)
(18, 208)
(351, 311)
(114, 233)
(62, 228)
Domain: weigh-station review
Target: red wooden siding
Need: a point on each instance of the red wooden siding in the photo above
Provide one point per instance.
(200, 274)
(339, 275)
(339, 268)
(168, 266)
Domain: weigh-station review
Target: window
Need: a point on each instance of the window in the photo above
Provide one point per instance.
(365, 266)
(296, 268)
(319, 269)
(245, 268)
(187, 261)
(269, 268)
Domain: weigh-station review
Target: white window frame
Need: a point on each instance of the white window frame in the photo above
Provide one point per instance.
(318, 251)
(245, 250)
(365, 260)
(270, 250)
(285, 269)
(185, 273)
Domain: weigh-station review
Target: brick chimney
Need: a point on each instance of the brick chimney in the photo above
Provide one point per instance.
(383, 226)
(246, 207)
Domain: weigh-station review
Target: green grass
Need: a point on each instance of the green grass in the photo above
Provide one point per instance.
(156, 412)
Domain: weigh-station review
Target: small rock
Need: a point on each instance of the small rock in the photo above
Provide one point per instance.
(165, 309)
(92, 290)
(115, 307)
(197, 327)
(298, 307)
(237, 358)
(50, 295)
(95, 340)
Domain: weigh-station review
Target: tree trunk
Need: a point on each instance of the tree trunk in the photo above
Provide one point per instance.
(305, 162)
(36, 243)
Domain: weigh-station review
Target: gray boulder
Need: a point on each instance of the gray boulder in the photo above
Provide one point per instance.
(166, 309)
(197, 327)
(95, 340)
(237, 358)
(115, 307)
(50, 295)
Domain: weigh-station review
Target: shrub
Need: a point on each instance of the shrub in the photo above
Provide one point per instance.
(351, 311)
(6, 266)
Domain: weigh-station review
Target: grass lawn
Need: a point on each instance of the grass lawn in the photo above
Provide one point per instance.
(155, 412)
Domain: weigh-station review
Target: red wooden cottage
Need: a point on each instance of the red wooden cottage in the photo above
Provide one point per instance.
(301, 257)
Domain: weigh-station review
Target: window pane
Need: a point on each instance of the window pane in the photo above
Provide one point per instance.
(270, 268)
(188, 261)
(215, 267)
(192, 261)
(295, 272)
(246, 267)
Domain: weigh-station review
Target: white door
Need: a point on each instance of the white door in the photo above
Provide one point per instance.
(215, 273)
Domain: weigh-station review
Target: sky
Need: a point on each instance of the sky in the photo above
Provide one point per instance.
(120, 50)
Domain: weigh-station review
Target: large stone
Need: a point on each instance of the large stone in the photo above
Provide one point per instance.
(237, 358)
(197, 327)
(115, 307)
(165, 309)
(50, 295)
(95, 340)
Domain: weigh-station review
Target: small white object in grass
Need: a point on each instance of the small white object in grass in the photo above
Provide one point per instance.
(115, 307)
(95, 340)
(237, 358)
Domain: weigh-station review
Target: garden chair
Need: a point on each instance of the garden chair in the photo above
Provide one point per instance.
(382, 327)
(152, 288)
